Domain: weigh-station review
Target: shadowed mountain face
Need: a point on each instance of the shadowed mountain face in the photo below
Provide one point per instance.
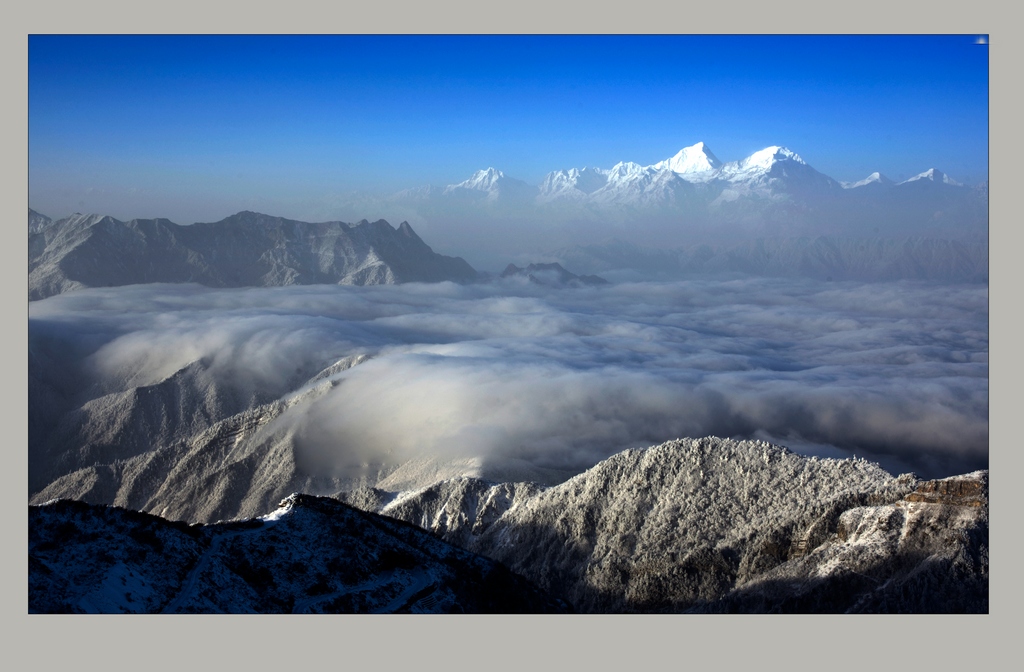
(245, 250)
(311, 555)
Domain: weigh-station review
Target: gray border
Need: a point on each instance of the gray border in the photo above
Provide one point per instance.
(508, 641)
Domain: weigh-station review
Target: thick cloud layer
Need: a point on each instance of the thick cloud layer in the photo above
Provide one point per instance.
(895, 372)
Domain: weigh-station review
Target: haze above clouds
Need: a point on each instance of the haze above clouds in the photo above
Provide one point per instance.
(896, 372)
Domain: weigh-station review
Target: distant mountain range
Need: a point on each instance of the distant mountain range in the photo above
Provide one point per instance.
(244, 250)
(772, 184)
(254, 250)
(552, 275)
(867, 258)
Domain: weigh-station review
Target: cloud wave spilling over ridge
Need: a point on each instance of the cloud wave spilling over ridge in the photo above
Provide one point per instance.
(896, 372)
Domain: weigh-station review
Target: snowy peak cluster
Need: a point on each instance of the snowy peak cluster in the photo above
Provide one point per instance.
(772, 172)
(630, 183)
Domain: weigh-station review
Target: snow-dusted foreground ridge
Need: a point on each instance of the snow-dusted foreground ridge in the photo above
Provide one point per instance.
(311, 555)
(720, 525)
(706, 525)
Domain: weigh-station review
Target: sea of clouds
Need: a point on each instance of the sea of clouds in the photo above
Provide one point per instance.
(894, 372)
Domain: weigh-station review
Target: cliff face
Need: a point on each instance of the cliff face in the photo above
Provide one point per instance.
(968, 490)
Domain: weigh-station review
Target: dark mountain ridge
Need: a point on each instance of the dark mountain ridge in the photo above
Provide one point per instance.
(311, 555)
(247, 249)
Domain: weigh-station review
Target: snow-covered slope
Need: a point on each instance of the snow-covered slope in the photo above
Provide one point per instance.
(933, 175)
(684, 524)
(575, 184)
(875, 178)
(37, 222)
(773, 172)
(458, 509)
(694, 177)
(491, 185)
(244, 250)
(310, 555)
(694, 524)
(925, 553)
(695, 163)
(186, 449)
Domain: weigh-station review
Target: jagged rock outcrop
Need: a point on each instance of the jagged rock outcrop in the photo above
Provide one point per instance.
(971, 490)
(311, 555)
(247, 249)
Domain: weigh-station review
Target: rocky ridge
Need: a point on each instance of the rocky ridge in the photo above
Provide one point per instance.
(247, 249)
(221, 464)
(699, 524)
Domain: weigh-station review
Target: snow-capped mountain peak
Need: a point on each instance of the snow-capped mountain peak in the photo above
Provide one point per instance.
(572, 184)
(694, 159)
(482, 180)
(492, 186)
(769, 156)
(626, 169)
(934, 175)
(873, 178)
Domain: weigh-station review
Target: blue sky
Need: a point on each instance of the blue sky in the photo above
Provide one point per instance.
(197, 127)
